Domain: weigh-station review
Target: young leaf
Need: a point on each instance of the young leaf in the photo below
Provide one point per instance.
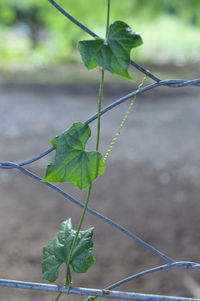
(72, 162)
(112, 54)
(57, 252)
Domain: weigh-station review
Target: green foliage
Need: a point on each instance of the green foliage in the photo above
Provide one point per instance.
(185, 9)
(184, 50)
(57, 252)
(72, 162)
(59, 35)
(112, 54)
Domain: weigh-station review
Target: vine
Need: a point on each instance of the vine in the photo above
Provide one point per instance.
(73, 163)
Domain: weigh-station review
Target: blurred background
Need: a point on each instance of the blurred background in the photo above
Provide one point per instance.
(34, 36)
(151, 183)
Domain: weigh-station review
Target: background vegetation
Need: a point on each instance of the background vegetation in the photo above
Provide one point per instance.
(35, 35)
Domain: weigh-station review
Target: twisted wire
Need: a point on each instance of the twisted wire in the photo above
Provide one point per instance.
(89, 291)
(180, 264)
(174, 83)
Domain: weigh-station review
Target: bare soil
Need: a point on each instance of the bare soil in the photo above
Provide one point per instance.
(151, 186)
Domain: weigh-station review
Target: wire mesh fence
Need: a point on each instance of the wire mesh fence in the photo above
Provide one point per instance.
(107, 292)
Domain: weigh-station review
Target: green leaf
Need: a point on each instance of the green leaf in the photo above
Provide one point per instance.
(57, 252)
(112, 54)
(72, 163)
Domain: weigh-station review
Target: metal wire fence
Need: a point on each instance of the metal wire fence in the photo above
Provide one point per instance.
(107, 292)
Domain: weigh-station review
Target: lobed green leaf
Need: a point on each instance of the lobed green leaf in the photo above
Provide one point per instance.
(72, 162)
(57, 252)
(112, 54)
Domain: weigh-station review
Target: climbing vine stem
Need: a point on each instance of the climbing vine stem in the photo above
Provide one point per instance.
(68, 279)
(108, 17)
(101, 87)
(68, 276)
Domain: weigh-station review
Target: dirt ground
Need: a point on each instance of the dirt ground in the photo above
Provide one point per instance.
(151, 186)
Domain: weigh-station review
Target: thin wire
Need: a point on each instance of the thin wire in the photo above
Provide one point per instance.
(91, 33)
(68, 16)
(145, 71)
(88, 291)
(181, 264)
(175, 83)
(93, 212)
(171, 83)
